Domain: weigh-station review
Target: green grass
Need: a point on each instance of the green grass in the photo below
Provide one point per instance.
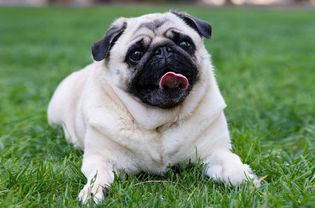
(265, 61)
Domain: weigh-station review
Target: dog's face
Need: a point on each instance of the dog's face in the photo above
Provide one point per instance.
(155, 57)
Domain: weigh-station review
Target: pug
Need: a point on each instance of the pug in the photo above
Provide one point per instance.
(148, 101)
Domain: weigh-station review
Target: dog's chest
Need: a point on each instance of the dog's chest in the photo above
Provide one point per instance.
(150, 149)
(167, 145)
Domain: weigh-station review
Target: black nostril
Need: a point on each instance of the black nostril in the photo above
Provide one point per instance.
(165, 50)
(168, 49)
(158, 51)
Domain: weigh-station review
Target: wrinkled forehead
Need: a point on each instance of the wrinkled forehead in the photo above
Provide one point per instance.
(154, 25)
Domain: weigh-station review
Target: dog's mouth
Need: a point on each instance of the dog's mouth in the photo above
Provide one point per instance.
(167, 91)
(172, 80)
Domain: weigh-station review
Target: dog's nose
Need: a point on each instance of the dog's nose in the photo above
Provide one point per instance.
(164, 51)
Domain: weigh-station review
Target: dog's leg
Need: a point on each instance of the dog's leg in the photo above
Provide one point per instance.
(97, 169)
(227, 167)
(99, 177)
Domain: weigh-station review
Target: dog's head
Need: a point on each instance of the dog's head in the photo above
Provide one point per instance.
(155, 57)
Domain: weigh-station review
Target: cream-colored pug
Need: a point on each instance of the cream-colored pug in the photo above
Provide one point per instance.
(149, 100)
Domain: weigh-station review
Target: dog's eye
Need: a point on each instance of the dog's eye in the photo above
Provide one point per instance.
(135, 56)
(185, 45)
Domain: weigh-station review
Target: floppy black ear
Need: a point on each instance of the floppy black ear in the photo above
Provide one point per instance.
(101, 48)
(202, 27)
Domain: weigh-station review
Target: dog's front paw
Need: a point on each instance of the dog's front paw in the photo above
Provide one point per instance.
(95, 192)
(233, 174)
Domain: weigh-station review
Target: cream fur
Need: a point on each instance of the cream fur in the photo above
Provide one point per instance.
(118, 132)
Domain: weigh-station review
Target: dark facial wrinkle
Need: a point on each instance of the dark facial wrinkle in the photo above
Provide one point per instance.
(152, 25)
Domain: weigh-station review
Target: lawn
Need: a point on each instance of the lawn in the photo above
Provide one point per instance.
(265, 62)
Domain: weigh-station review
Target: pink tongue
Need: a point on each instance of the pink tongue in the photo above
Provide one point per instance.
(173, 80)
